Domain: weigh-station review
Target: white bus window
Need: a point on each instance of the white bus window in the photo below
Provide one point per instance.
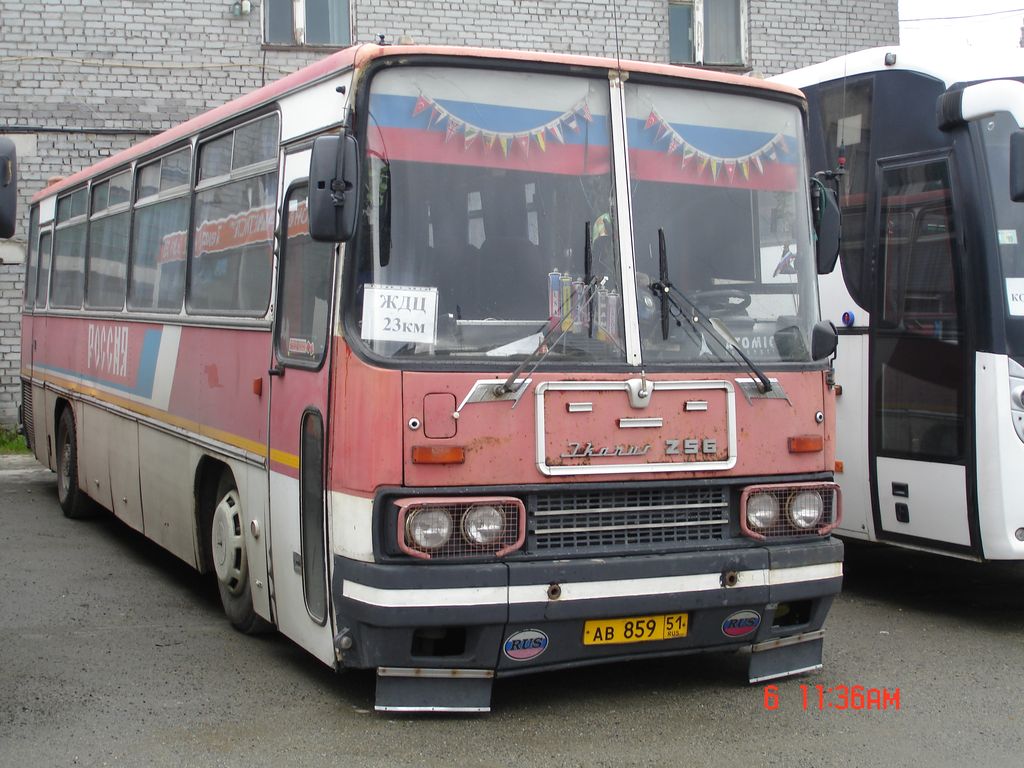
(917, 347)
(68, 287)
(846, 114)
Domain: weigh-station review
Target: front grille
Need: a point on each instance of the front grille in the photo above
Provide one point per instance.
(579, 521)
(26, 411)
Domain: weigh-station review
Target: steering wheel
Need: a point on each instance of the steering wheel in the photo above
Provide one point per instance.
(722, 301)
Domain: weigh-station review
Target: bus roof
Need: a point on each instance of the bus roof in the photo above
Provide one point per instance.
(359, 55)
(948, 65)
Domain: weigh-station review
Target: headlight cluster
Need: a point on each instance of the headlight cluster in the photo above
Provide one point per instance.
(789, 510)
(460, 527)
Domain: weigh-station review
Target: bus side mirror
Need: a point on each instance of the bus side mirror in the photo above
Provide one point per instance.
(1017, 167)
(824, 340)
(8, 187)
(827, 226)
(333, 188)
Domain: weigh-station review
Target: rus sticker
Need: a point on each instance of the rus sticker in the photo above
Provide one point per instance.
(525, 644)
(741, 623)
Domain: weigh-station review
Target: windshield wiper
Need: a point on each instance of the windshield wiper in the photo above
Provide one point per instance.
(664, 290)
(549, 341)
(546, 345)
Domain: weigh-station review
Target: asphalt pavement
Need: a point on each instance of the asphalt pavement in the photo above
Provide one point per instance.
(113, 652)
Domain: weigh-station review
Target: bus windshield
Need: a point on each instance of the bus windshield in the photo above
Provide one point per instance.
(723, 175)
(995, 134)
(482, 191)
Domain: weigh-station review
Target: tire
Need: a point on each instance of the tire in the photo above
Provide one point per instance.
(230, 563)
(73, 501)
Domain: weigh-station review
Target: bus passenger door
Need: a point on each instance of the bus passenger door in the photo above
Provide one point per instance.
(298, 434)
(919, 375)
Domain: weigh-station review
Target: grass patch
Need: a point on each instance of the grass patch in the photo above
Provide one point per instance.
(11, 442)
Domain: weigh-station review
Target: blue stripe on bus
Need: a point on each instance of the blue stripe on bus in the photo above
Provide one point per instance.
(143, 386)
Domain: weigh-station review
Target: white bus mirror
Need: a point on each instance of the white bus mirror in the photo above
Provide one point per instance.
(333, 188)
(8, 187)
(1017, 167)
(827, 226)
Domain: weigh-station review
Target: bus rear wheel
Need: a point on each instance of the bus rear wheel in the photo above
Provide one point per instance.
(228, 555)
(74, 503)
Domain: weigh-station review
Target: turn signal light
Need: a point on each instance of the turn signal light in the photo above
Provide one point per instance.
(806, 444)
(438, 454)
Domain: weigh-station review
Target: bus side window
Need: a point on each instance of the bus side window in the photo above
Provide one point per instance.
(307, 279)
(32, 259)
(919, 291)
(846, 113)
(68, 288)
(43, 280)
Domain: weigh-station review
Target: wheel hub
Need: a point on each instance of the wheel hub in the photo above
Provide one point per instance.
(228, 540)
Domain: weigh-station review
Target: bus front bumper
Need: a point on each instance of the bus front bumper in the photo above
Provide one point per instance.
(509, 618)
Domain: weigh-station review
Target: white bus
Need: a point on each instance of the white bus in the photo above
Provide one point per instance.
(929, 295)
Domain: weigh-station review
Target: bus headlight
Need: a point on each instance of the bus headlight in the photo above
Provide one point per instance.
(483, 524)
(805, 509)
(429, 527)
(762, 511)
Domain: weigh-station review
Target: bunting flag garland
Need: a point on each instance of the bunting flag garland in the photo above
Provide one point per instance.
(505, 141)
(707, 161)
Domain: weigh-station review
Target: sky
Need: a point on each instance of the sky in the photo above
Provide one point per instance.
(980, 23)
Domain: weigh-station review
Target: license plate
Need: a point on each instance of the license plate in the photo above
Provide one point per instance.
(635, 629)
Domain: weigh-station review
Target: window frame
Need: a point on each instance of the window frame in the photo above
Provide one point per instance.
(251, 171)
(160, 196)
(298, 40)
(28, 298)
(109, 211)
(285, 360)
(699, 21)
(59, 225)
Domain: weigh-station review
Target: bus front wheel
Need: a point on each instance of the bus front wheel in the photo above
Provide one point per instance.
(74, 503)
(228, 554)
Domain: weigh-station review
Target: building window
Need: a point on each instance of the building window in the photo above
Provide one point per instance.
(712, 32)
(307, 22)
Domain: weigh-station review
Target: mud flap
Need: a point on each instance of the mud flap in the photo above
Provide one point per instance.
(402, 689)
(786, 656)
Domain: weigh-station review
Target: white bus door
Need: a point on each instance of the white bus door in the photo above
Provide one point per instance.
(918, 373)
(299, 533)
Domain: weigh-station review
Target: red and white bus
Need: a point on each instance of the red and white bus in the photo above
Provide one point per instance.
(549, 388)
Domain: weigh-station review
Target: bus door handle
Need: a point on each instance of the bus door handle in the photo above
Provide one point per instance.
(277, 370)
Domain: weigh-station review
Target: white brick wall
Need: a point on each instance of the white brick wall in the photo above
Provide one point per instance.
(86, 78)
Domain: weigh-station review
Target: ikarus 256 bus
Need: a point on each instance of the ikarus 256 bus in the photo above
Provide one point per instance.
(459, 364)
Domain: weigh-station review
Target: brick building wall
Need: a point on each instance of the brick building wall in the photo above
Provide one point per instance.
(81, 79)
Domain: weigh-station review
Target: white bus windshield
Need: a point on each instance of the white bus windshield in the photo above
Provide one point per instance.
(995, 136)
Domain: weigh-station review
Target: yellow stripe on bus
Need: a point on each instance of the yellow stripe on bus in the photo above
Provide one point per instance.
(163, 417)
